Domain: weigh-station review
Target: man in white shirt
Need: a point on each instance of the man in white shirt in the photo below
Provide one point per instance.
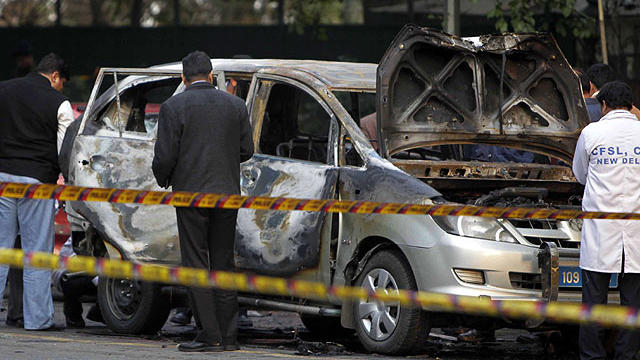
(607, 162)
(34, 116)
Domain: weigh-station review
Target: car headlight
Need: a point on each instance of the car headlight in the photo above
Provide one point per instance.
(475, 227)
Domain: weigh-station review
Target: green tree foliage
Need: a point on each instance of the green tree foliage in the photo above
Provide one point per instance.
(557, 16)
(314, 12)
(298, 14)
(301, 14)
(26, 13)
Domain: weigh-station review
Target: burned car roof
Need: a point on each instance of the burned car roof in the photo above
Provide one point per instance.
(336, 75)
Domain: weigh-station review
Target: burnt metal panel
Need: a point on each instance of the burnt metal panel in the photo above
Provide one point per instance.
(434, 88)
(430, 169)
(143, 232)
(333, 74)
(282, 242)
(383, 182)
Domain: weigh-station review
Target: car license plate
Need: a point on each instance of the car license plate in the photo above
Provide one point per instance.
(571, 276)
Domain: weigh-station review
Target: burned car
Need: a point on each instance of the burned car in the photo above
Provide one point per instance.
(436, 97)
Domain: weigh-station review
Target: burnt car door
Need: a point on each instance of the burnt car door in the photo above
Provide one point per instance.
(295, 134)
(114, 149)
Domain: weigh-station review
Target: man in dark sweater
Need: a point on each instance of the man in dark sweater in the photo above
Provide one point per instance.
(588, 89)
(34, 116)
(203, 135)
(601, 74)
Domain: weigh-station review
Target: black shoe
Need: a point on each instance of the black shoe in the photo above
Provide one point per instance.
(75, 323)
(231, 347)
(18, 323)
(53, 327)
(94, 314)
(181, 318)
(195, 346)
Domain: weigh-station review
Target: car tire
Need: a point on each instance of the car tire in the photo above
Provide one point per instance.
(132, 307)
(389, 328)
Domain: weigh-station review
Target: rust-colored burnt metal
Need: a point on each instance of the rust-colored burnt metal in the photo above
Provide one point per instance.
(486, 170)
(514, 90)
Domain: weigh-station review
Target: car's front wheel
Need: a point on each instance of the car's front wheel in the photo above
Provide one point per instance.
(132, 307)
(388, 328)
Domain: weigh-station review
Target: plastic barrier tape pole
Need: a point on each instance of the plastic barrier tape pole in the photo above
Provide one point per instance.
(225, 201)
(606, 315)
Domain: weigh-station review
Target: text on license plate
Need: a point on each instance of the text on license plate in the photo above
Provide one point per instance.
(571, 276)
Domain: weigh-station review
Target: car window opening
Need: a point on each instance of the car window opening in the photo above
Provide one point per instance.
(139, 109)
(295, 125)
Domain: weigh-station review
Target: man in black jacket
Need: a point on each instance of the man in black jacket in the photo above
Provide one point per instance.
(203, 135)
(34, 116)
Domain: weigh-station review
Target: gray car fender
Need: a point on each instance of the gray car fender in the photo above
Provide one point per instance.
(351, 272)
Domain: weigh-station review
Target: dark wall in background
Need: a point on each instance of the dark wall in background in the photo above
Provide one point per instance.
(86, 49)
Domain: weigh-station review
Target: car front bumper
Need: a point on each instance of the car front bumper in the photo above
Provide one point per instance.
(500, 264)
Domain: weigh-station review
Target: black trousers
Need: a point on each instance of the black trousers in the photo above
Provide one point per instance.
(14, 307)
(73, 288)
(595, 287)
(207, 239)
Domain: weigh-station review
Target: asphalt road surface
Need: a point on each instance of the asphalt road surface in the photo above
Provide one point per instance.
(274, 335)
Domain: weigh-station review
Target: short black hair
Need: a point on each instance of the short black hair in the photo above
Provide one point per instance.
(52, 63)
(616, 94)
(196, 64)
(600, 74)
(585, 82)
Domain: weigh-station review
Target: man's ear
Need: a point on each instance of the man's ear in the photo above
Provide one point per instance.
(210, 77)
(55, 76)
(184, 80)
(604, 109)
(592, 89)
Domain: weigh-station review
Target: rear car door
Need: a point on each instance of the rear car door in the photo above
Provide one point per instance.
(114, 149)
(295, 134)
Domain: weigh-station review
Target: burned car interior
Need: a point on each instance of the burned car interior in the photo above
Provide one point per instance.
(295, 125)
(135, 110)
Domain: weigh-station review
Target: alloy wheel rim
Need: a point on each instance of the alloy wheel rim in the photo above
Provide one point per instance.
(379, 319)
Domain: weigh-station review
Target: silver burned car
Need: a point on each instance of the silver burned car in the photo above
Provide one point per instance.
(488, 121)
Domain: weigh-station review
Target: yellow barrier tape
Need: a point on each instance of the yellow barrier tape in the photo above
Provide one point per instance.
(607, 315)
(224, 201)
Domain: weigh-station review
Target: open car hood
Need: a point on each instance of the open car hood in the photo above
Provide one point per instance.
(434, 88)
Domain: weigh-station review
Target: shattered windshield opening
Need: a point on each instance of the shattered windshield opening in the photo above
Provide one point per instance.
(359, 104)
(362, 108)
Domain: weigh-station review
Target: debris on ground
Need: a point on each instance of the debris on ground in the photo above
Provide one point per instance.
(443, 337)
(313, 348)
(527, 338)
(477, 336)
(254, 313)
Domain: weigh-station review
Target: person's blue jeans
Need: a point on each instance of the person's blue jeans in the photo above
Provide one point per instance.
(34, 220)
